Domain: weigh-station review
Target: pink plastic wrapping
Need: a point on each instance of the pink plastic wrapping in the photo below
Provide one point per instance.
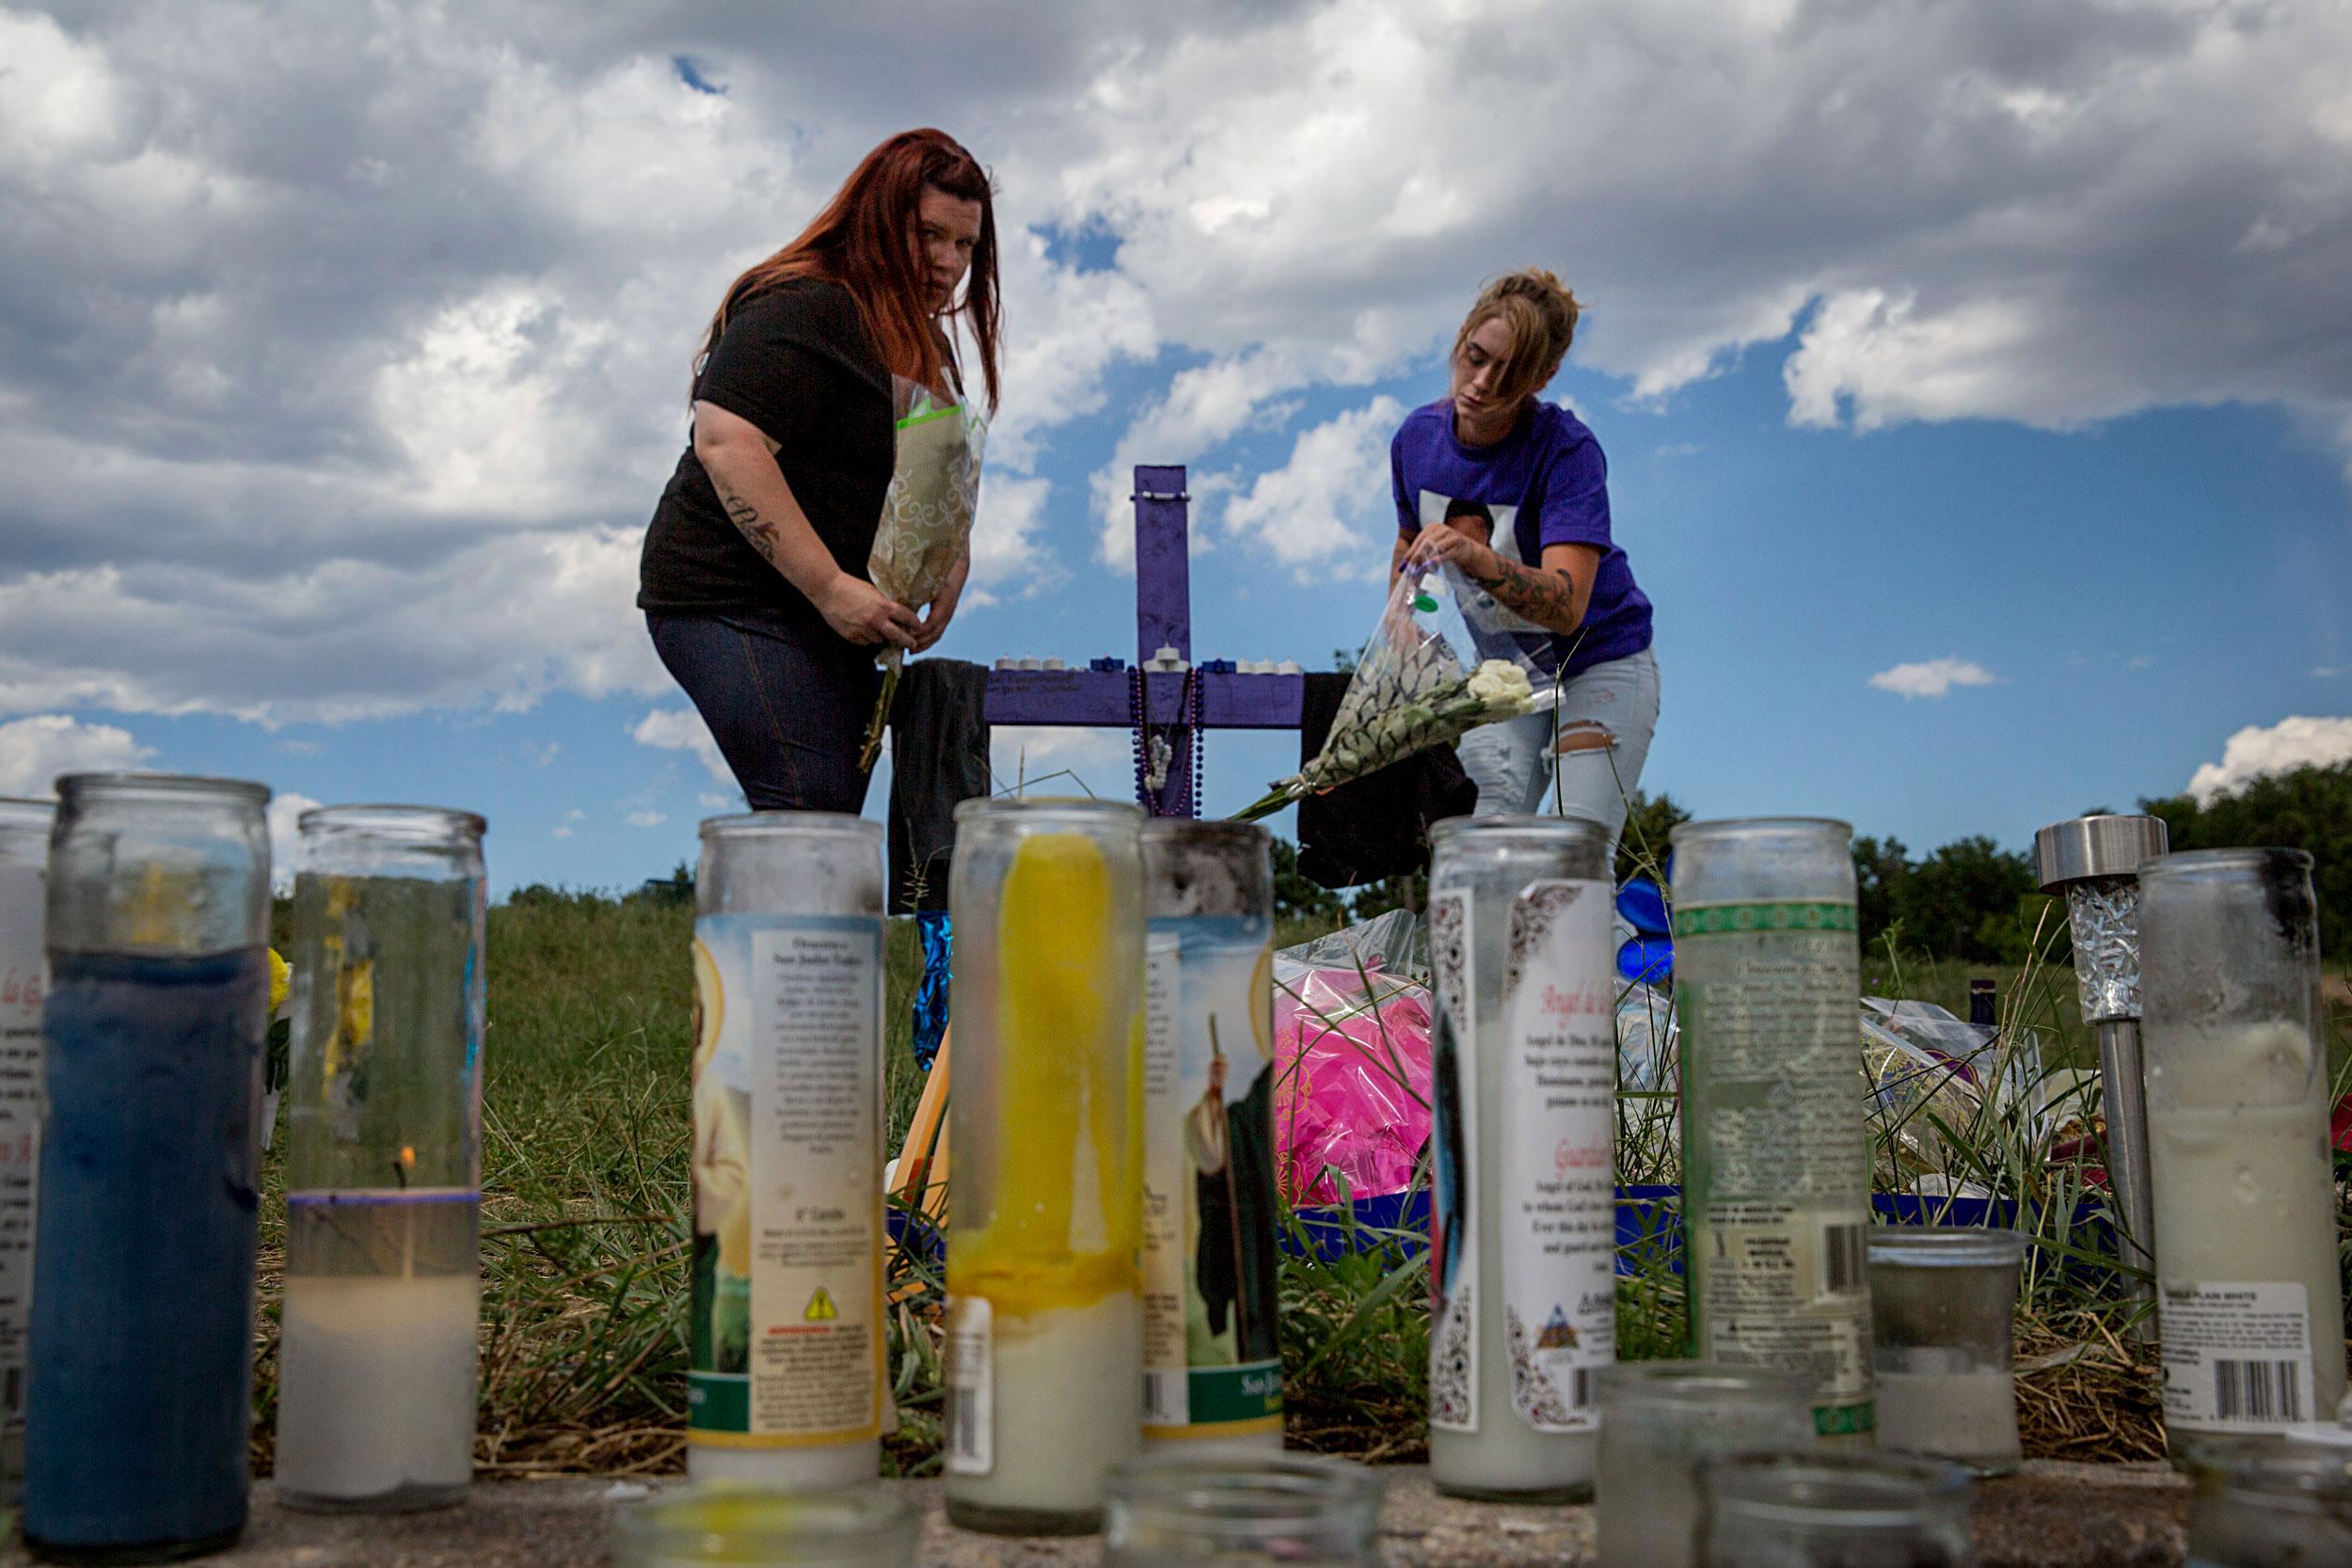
(1351, 1096)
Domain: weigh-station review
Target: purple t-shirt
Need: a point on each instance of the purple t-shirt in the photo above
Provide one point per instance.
(1544, 484)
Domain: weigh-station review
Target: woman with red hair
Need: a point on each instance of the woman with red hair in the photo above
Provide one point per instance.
(753, 577)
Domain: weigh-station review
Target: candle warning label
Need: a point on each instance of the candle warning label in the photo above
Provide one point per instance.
(1557, 1204)
(2237, 1357)
(785, 1325)
(1212, 1350)
(23, 973)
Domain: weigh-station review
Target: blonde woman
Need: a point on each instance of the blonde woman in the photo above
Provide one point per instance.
(1515, 491)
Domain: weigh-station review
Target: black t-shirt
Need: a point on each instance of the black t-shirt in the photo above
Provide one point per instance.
(797, 363)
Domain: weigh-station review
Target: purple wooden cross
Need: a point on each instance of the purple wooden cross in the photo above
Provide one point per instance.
(1105, 698)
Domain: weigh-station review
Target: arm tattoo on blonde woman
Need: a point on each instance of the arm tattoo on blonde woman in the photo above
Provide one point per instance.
(1546, 598)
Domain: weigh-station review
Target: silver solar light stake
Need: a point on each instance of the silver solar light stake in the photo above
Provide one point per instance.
(2094, 861)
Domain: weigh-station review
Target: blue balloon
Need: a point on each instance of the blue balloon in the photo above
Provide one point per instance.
(1642, 906)
(1650, 958)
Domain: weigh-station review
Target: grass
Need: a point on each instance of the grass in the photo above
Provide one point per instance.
(586, 1209)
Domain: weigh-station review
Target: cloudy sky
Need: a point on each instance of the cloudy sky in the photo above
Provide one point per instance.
(1976, 376)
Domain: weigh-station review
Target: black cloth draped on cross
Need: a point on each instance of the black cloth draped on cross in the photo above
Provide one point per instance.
(1378, 824)
(938, 760)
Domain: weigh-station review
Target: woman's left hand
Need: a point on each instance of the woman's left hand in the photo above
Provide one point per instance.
(943, 607)
(1438, 543)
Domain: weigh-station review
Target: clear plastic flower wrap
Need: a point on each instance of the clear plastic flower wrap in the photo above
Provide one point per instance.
(1421, 682)
(1351, 1041)
(925, 519)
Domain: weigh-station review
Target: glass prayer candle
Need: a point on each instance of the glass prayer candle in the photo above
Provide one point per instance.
(1522, 1214)
(377, 1349)
(848, 1527)
(787, 1331)
(1044, 1345)
(1171, 1509)
(1776, 1160)
(1942, 1301)
(23, 979)
(1833, 1509)
(141, 1404)
(2268, 1504)
(1659, 1420)
(2250, 1300)
(1211, 1347)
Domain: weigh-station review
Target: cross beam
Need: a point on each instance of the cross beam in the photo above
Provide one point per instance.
(1104, 697)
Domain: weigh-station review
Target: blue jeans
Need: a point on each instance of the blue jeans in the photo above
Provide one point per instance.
(789, 705)
(1513, 765)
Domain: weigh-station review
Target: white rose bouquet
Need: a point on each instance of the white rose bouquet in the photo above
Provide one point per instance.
(1414, 688)
(926, 518)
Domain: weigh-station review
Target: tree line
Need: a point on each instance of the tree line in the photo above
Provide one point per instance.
(1971, 900)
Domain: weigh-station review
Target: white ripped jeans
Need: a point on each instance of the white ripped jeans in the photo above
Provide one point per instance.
(1512, 763)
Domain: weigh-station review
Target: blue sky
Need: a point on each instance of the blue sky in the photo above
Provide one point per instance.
(1996, 352)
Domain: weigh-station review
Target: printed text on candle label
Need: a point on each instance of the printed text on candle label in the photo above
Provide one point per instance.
(2237, 1356)
(1558, 1116)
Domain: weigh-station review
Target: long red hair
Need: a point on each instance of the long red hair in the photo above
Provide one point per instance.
(864, 240)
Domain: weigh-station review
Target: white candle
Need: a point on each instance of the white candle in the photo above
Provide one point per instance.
(1523, 1223)
(376, 1389)
(1047, 1453)
(2250, 1301)
(1969, 1416)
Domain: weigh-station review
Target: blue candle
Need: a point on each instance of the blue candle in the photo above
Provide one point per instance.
(142, 1334)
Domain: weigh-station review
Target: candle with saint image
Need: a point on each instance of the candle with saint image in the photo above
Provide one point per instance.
(1212, 1348)
(1045, 1356)
(1524, 1215)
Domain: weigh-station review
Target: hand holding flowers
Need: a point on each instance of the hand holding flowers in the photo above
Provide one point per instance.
(1412, 691)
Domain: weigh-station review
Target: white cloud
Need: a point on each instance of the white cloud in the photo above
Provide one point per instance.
(502, 621)
(714, 801)
(312, 439)
(2328, 672)
(1006, 546)
(681, 729)
(285, 836)
(563, 831)
(1933, 679)
(1329, 510)
(1048, 759)
(34, 751)
(2257, 752)
(1204, 409)
(647, 818)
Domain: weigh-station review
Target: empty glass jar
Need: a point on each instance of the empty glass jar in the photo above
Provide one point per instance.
(2270, 1505)
(1167, 1510)
(1659, 1420)
(1833, 1509)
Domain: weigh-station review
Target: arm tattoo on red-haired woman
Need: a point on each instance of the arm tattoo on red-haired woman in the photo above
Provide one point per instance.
(759, 532)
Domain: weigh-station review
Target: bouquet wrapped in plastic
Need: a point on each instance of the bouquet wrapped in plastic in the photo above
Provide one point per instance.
(926, 517)
(1419, 683)
(1350, 1043)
